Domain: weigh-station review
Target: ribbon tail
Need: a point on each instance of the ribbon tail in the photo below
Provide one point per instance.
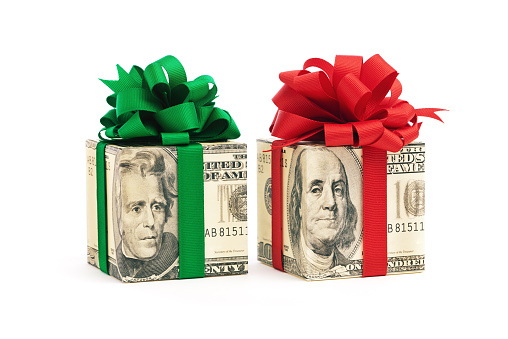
(429, 113)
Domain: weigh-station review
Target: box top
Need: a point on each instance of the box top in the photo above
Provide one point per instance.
(206, 145)
(322, 144)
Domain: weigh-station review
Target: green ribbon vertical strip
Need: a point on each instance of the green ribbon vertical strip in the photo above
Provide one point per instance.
(102, 214)
(191, 219)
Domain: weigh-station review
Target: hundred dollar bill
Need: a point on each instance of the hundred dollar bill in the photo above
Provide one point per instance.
(142, 209)
(322, 209)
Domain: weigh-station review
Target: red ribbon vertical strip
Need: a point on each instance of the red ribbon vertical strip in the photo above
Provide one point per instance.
(374, 212)
(277, 205)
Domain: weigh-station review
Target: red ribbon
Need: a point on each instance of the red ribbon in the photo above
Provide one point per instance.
(346, 104)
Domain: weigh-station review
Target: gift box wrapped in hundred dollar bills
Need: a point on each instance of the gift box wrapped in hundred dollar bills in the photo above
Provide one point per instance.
(167, 194)
(322, 209)
(341, 193)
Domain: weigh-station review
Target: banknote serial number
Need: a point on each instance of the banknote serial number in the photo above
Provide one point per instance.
(267, 159)
(402, 227)
(233, 231)
(90, 160)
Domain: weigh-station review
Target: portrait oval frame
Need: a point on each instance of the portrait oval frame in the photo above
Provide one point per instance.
(354, 172)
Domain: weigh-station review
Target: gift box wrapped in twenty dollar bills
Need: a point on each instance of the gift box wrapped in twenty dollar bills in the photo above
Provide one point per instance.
(322, 209)
(142, 207)
(167, 193)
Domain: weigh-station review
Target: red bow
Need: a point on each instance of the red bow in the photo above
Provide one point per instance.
(346, 104)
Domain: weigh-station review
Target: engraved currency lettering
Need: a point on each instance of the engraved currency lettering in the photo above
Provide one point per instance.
(406, 168)
(218, 269)
(225, 170)
(91, 160)
(215, 176)
(264, 158)
(265, 250)
(406, 264)
(408, 160)
(221, 165)
(226, 176)
(241, 175)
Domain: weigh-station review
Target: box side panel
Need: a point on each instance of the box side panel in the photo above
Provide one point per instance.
(406, 209)
(264, 202)
(225, 189)
(91, 203)
(289, 167)
(92, 233)
(112, 153)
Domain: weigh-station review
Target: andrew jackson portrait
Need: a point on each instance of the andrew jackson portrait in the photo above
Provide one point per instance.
(146, 193)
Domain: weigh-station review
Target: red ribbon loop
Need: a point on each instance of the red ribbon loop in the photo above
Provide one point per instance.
(353, 95)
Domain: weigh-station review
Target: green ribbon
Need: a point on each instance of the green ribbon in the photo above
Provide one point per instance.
(191, 194)
(158, 105)
(169, 110)
(102, 214)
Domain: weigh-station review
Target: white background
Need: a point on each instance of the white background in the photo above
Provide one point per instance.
(449, 54)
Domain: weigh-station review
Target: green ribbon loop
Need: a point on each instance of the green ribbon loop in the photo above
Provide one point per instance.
(159, 105)
(149, 103)
(178, 118)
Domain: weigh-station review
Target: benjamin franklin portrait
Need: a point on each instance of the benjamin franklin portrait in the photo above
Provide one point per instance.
(146, 194)
(323, 221)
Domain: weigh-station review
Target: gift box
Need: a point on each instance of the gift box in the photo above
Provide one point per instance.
(322, 209)
(341, 193)
(143, 211)
(167, 194)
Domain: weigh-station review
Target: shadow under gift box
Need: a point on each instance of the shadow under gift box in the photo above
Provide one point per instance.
(322, 209)
(142, 210)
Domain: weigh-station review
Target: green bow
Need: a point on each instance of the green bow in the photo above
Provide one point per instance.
(171, 110)
(149, 106)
